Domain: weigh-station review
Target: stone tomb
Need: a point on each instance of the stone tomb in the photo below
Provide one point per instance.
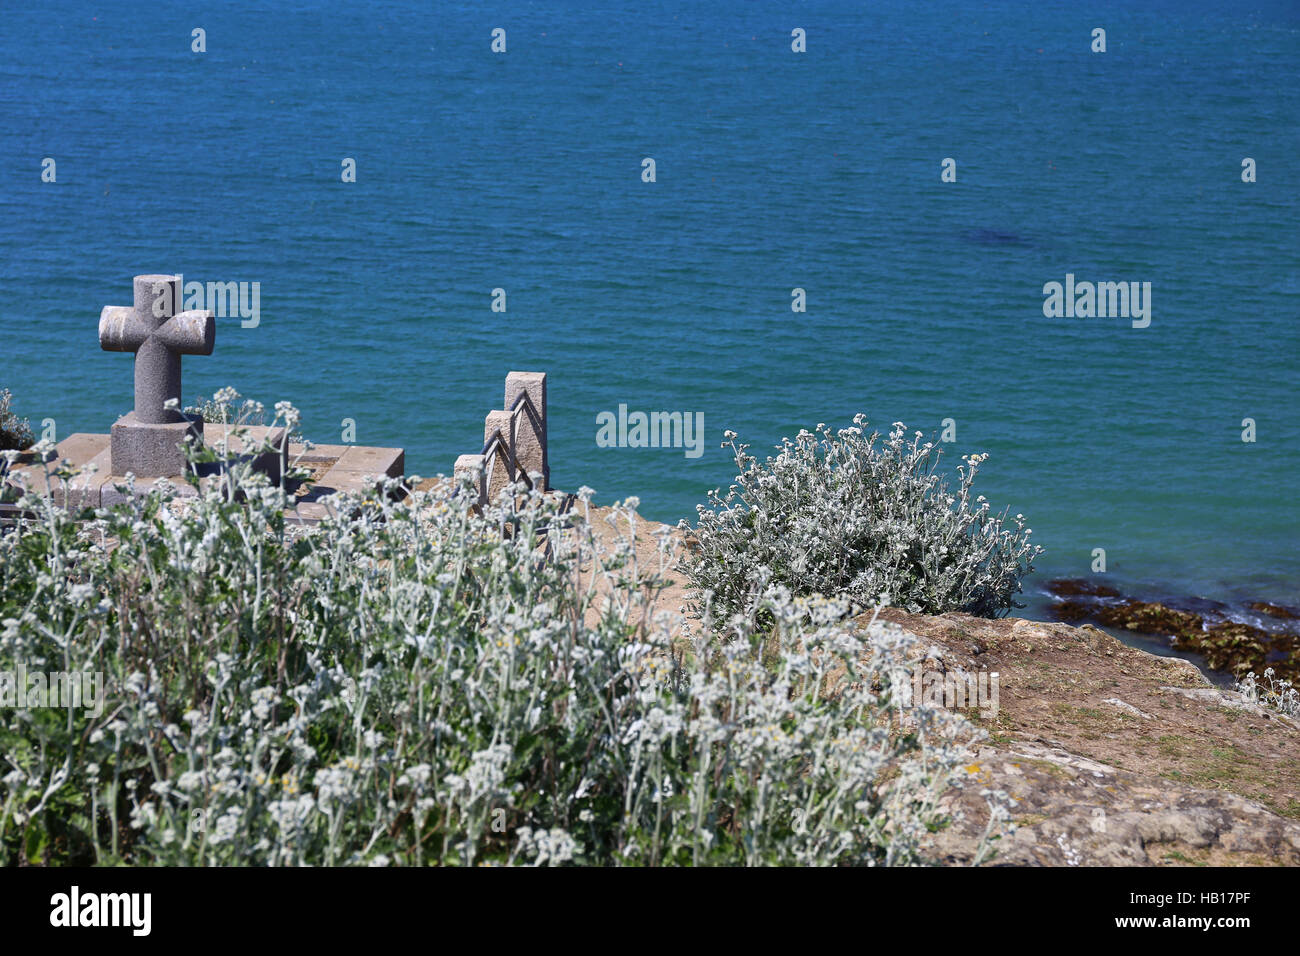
(335, 467)
(147, 441)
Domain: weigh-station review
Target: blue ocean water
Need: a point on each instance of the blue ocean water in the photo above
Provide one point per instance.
(775, 170)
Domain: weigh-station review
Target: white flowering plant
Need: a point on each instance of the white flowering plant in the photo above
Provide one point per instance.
(1276, 694)
(15, 433)
(864, 517)
(418, 681)
(227, 407)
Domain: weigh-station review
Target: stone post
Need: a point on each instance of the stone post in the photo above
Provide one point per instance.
(471, 468)
(499, 473)
(528, 435)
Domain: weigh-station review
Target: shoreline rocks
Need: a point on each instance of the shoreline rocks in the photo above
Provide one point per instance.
(1228, 645)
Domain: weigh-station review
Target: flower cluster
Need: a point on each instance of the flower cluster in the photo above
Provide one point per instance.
(1278, 695)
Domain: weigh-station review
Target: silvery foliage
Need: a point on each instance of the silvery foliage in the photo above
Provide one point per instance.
(15, 432)
(228, 407)
(416, 683)
(847, 514)
(1278, 695)
(222, 409)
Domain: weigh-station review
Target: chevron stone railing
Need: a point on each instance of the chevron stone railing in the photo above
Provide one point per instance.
(514, 442)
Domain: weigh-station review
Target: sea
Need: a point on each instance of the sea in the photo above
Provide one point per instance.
(919, 172)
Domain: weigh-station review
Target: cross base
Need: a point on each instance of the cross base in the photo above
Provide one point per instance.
(151, 451)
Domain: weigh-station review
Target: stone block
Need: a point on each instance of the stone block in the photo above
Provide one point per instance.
(500, 470)
(85, 491)
(80, 447)
(223, 440)
(469, 468)
(307, 513)
(366, 460)
(76, 452)
(151, 449)
(317, 453)
(354, 467)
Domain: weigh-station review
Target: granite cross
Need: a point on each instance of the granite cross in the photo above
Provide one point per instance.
(159, 336)
(148, 442)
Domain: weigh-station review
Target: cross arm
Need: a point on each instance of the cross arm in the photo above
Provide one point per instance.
(190, 333)
(121, 329)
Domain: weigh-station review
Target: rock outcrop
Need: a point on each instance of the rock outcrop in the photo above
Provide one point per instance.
(1113, 756)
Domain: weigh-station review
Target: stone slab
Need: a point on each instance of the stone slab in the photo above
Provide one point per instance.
(86, 491)
(77, 449)
(114, 491)
(80, 447)
(365, 460)
(100, 488)
(351, 473)
(76, 452)
(317, 452)
(308, 512)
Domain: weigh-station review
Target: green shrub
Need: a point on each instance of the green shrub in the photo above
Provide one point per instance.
(849, 515)
(412, 682)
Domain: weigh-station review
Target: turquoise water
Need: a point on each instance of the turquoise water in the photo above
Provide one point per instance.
(775, 170)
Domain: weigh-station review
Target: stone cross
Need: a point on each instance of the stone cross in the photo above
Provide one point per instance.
(146, 442)
(159, 336)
